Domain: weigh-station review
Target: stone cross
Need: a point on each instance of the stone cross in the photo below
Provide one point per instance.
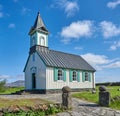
(66, 97)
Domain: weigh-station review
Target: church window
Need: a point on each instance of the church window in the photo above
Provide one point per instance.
(42, 41)
(33, 41)
(74, 75)
(60, 74)
(86, 76)
(33, 57)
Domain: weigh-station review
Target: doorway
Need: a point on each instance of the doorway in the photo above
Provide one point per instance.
(33, 81)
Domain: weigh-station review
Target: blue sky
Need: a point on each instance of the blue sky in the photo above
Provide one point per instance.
(90, 28)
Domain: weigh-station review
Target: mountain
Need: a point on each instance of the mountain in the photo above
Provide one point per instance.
(19, 83)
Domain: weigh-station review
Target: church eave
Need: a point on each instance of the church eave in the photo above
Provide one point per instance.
(38, 30)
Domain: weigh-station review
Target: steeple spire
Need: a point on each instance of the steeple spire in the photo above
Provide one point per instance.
(38, 25)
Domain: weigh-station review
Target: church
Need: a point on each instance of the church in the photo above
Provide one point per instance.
(47, 71)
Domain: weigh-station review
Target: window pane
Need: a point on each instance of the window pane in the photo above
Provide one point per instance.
(74, 75)
(86, 76)
(60, 75)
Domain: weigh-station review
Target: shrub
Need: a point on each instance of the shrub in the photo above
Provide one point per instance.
(2, 85)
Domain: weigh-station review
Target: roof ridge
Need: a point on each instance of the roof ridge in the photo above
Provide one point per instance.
(66, 53)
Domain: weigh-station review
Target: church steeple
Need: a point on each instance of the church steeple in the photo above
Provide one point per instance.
(38, 34)
(38, 25)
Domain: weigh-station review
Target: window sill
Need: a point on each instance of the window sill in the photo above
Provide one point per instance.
(74, 81)
(59, 80)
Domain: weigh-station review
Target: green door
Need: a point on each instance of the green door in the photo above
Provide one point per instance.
(33, 81)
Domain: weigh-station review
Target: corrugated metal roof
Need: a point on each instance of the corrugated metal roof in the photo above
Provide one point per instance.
(64, 60)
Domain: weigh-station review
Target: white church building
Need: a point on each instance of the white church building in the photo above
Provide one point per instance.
(49, 70)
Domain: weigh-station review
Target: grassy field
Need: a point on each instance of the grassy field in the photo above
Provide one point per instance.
(11, 90)
(6, 103)
(94, 97)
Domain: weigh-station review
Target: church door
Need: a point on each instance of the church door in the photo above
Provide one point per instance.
(33, 81)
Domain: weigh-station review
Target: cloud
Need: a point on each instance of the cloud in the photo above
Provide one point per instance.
(10, 78)
(113, 4)
(101, 61)
(4, 77)
(1, 14)
(76, 30)
(109, 29)
(15, 0)
(25, 10)
(113, 65)
(1, 7)
(78, 48)
(11, 25)
(69, 7)
(115, 46)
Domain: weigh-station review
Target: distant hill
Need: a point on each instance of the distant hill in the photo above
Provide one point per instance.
(19, 83)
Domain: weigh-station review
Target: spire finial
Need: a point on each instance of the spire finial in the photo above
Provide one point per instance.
(38, 12)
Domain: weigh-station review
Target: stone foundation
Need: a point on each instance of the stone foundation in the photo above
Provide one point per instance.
(50, 91)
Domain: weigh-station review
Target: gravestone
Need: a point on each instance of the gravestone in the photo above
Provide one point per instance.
(66, 97)
(104, 96)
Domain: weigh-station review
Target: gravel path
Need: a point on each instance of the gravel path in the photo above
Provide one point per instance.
(80, 108)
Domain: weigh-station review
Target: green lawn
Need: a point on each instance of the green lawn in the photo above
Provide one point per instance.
(95, 97)
(11, 90)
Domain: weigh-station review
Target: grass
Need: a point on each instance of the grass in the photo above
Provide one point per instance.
(95, 97)
(11, 90)
(5, 103)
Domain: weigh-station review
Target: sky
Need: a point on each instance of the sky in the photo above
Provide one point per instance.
(89, 28)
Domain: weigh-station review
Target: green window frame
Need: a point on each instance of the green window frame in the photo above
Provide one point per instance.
(59, 74)
(78, 76)
(74, 75)
(86, 76)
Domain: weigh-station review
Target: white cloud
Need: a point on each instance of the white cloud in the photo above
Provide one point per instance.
(1, 14)
(10, 78)
(78, 48)
(95, 59)
(115, 46)
(4, 77)
(113, 65)
(77, 30)
(11, 25)
(25, 10)
(109, 29)
(15, 0)
(1, 7)
(69, 7)
(101, 61)
(113, 4)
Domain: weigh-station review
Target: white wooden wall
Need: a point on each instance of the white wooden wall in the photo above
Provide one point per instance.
(51, 84)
